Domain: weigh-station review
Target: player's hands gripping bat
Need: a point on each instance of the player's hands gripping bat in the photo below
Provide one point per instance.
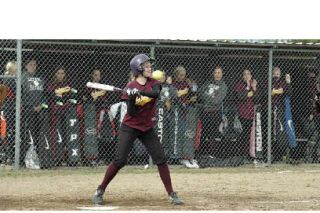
(131, 92)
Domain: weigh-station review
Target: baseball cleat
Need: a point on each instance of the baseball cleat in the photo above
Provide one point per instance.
(98, 196)
(173, 198)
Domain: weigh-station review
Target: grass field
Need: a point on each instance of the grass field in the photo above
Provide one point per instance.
(280, 187)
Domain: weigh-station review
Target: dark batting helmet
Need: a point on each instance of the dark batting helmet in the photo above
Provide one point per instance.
(136, 63)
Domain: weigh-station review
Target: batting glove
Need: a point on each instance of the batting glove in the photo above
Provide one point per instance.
(135, 91)
(128, 91)
(131, 92)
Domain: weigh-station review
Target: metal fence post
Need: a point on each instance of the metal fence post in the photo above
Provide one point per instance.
(269, 105)
(18, 104)
(153, 57)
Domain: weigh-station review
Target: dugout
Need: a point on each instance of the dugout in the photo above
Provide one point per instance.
(199, 58)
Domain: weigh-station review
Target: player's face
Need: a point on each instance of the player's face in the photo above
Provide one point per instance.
(60, 75)
(146, 69)
(217, 74)
(276, 74)
(169, 80)
(246, 75)
(181, 75)
(96, 76)
(31, 67)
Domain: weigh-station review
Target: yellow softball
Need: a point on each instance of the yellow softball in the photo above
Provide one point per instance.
(158, 74)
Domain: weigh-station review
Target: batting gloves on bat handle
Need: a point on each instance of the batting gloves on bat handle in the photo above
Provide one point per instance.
(131, 92)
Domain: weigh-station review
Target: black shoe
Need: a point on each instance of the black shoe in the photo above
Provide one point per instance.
(98, 196)
(173, 198)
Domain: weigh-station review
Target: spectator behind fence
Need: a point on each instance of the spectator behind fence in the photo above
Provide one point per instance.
(211, 96)
(181, 84)
(182, 146)
(33, 96)
(311, 122)
(58, 104)
(311, 131)
(9, 110)
(312, 81)
(246, 99)
(280, 90)
(102, 101)
(168, 93)
(95, 95)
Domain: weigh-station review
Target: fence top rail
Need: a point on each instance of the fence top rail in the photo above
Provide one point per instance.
(180, 44)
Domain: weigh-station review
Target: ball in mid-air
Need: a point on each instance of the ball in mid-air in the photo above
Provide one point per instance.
(158, 74)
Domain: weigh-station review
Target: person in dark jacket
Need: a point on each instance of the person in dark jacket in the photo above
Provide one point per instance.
(33, 96)
(211, 97)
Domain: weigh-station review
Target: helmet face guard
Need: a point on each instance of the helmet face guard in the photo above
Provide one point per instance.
(137, 62)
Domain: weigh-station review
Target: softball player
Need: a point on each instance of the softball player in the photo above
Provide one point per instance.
(140, 95)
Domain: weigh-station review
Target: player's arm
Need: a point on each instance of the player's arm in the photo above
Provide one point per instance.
(288, 90)
(154, 93)
(131, 109)
(191, 95)
(243, 95)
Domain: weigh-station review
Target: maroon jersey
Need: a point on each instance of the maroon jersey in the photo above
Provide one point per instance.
(51, 91)
(183, 89)
(245, 107)
(100, 97)
(276, 98)
(145, 107)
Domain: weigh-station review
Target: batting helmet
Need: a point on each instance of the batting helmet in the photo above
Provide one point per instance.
(136, 63)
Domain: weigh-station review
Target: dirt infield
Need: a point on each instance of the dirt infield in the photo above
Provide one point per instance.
(243, 188)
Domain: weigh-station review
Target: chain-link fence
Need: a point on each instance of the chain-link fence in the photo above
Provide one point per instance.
(8, 57)
(219, 106)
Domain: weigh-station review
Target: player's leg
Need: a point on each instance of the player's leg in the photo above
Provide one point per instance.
(190, 135)
(155, 149)
(125, 142)
(25, 137)
(209, 131)
(245, 137)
